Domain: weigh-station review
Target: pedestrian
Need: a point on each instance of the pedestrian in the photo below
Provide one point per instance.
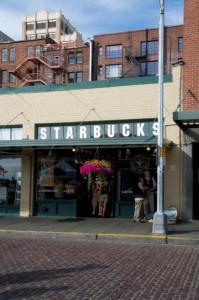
(104, 197)
(150, 182)
(138, 191)
(95, 197)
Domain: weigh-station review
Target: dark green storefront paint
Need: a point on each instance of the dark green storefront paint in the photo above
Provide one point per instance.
(84, 85)
(59, 208)
(9, 211)
(124, 209)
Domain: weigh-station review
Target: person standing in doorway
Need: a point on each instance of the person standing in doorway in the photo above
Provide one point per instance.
(138, 197)
(104, 197)
(95, 197)
(150, 182)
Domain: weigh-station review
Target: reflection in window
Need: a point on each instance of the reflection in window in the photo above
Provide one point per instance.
(10, 182)
(4, 55)
(113, 71)
(12, 54)
(114, 51)
(57, 178)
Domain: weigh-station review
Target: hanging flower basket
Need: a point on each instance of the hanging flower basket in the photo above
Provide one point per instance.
(97, 170)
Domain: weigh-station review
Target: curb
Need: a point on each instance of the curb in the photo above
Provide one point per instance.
(145, 238)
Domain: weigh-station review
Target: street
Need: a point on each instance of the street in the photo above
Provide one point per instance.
(61, 268)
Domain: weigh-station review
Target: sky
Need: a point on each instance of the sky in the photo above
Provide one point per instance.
(93, 17)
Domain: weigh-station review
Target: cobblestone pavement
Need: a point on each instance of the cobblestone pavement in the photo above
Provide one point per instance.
(58, 268)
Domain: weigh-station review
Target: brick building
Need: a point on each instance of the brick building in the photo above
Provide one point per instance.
(187, 112)
(118, 55)
(54, 128)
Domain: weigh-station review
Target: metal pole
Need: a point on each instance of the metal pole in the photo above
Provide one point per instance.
(159, 219)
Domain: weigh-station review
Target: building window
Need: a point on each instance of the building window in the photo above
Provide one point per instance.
(71, 77)
(30, 51)
(149, 48)
(71, 58)
(38, 50)
(56, 60)
(100, 51)
(149, 68)
(79, 57)
(10, 182)
(180, 44)
(29, 26)
(113, 71)
(114, 51)
(4, 76)
(4, 55)
(12, 78)
(13, 133)
(30, 37)
(41, 36)
(143, 48)
(152, 47)
(100, 70)
(12, 54)
(79, 76)
(54, 182)
(51, 23)
(49, 59)
(52, 35)
(40, 24)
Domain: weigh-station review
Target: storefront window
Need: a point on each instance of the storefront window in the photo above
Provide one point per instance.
(57, 177)
(10, 182)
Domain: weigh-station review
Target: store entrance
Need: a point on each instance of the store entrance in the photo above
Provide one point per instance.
(196, 181)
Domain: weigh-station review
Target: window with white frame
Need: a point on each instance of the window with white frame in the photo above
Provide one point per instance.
(4, 76)
(149, 68)
(113, 71)
(79, 57)
(114, 51)
(180, 44)
(71, 58)
(79, 76)
(12, 54)
(11, 133)
(12, 78)
(100, 51)
(4, 55)
(40, 24)
(29, 26)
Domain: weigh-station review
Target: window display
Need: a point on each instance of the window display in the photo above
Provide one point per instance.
(57, 176)
(10, 181)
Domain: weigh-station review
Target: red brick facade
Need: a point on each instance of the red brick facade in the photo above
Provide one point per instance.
(191, 55)
(70, 63)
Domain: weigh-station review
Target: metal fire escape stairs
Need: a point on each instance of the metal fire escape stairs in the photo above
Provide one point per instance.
(19, 70)
(134, 67)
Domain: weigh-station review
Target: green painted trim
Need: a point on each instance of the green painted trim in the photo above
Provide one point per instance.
(84, 85)
(186, 115)
(69, 143)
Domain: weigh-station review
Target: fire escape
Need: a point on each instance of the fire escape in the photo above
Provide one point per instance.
(131, 65)
(32, 70)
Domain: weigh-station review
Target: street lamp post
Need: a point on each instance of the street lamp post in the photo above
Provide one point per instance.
(159, 219)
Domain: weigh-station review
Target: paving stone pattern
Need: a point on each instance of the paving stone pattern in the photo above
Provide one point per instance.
(53, 268)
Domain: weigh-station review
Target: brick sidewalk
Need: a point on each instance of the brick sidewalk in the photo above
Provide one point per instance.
(51, 268)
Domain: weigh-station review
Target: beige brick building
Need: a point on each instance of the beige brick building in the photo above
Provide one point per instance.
(105, 118)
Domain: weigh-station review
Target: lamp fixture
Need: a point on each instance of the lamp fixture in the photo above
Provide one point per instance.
(128, 152)
(148, 148)
(74, 149)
